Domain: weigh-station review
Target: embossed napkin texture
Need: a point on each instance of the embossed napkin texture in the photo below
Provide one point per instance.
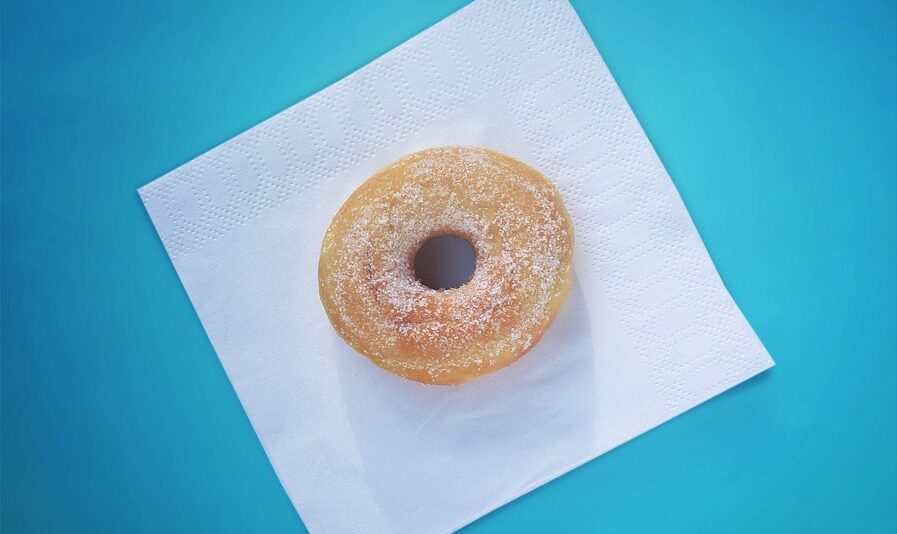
(648, 330)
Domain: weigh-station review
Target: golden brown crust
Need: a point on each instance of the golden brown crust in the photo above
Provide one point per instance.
(523, 242)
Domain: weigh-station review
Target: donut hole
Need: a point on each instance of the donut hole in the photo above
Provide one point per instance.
(444, 262)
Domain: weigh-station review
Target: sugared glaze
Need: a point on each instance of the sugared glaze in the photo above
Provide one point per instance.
(523, 242)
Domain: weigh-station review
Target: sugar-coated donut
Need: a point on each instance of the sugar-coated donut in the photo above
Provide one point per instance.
(523, 244)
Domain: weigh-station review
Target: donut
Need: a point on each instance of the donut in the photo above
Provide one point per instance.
(522, 239)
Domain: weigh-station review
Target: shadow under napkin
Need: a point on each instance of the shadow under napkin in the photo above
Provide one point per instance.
(473, 447)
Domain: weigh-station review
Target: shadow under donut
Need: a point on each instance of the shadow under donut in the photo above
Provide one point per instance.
(485, 441)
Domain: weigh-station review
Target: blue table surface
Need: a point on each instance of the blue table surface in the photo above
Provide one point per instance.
(776, 120)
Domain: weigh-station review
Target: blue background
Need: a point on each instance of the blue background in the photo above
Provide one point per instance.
(777, 122)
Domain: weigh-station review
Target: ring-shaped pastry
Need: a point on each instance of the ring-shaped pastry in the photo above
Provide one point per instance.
(523, 244)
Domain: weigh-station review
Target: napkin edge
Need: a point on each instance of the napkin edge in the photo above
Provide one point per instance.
(765, 366)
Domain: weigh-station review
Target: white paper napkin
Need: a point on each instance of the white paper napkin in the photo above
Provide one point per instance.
(647, 332)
